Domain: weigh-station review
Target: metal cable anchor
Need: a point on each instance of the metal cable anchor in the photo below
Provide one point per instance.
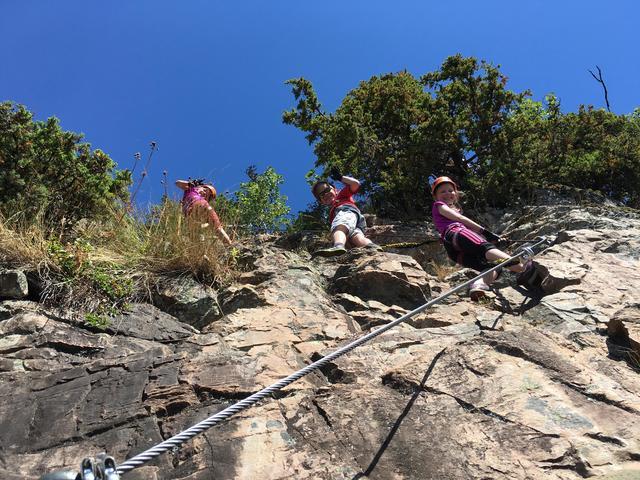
(103, 467)
(527, 249)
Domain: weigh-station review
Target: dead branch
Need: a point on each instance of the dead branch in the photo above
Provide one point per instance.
(601, 81)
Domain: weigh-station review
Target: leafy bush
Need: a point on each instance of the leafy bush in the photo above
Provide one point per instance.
(43, 167)
(395, 132)
(257, 206)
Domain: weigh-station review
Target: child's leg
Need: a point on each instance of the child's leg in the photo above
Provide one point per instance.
(474, 251)
(495, 254)
(342, 226)
(339, 238)
(339, 235)
(359, 240)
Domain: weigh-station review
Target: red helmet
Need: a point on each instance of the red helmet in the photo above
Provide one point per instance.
(439, 181)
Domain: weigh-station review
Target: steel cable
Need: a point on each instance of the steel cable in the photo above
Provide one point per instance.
(219, 417)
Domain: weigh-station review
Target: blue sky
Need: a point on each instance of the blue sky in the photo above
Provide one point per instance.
(205, 79)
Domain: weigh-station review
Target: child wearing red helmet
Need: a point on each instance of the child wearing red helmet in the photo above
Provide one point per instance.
(467, 243)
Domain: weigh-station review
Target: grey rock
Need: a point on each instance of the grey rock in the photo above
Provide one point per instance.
(13, 284)
(245, 296)
(566, 313)
(387, 278)
(463, 390)
(188, 301)
(149, 323)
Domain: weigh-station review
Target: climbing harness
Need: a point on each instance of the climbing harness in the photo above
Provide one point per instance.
(525, 251)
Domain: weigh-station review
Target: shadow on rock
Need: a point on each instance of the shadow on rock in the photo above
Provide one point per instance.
(623, 336)
(417, 390)
(529, 298)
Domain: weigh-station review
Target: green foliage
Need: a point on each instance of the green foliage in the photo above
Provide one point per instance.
(315, 217)
(112, 281)
(45, 167)
(395, 131)
(97, 320)
(258, 205)
(108, 284)
(589, 149)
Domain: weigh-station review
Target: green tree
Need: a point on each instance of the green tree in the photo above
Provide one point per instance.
(588, 149)
(258, 204)
(395, 131)
(46, 169)
(601, 151)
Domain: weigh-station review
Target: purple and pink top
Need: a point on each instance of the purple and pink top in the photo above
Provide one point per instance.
(441, 222)
(193, 199)
(191, 196)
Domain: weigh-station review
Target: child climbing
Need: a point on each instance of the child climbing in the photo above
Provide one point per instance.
(467, 243)
(196, 202)
(347, 223)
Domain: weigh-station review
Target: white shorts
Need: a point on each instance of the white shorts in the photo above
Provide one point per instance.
(348, 219)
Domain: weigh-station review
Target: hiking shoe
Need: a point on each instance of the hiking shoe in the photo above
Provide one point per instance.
(330, 252)
(532, 276)
(374, 246)
(478, 290)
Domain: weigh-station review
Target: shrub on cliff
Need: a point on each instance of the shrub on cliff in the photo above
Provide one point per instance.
(46, 169)
(257, 206)
(395, 131)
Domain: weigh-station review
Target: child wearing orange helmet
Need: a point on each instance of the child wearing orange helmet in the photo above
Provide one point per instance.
(195, 200)
(467, 243)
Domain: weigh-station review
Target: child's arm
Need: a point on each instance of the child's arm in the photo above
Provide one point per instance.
(451, 214)
(213, 217)
(222, 235)
(353, 183)
(182, 184)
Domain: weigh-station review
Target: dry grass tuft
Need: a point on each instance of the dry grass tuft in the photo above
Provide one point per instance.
(169, 243)
(442, 270)
(23, 243)
(97, 267)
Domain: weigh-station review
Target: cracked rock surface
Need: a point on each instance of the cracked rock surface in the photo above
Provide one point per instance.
(518, 387)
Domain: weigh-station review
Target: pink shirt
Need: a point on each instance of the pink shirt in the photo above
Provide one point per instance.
(440, 221)
(193, 199)
(191, 195)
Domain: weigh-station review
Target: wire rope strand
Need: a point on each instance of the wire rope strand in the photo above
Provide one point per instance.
(251, 400)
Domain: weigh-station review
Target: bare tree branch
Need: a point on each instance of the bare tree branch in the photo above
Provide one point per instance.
(601, 81)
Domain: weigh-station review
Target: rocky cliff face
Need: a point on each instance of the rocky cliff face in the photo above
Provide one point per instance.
(519, 387)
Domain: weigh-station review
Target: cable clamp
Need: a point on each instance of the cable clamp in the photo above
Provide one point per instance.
(103, 467)
(527, 252)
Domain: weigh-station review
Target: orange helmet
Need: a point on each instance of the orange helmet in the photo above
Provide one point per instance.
(439, 181)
